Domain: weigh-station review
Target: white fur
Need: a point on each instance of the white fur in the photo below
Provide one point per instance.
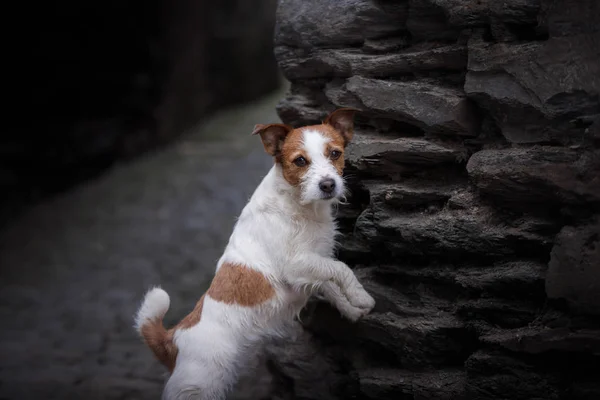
(154, 306)
(289, 237)
(320, 168)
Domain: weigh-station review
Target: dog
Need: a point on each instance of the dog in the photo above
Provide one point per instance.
(280, 253)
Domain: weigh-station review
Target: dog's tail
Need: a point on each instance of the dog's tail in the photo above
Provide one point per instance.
(149, 324)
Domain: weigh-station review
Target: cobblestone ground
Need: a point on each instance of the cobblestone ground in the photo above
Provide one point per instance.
(74, 269)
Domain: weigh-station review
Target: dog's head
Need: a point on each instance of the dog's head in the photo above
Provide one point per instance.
(311, 157)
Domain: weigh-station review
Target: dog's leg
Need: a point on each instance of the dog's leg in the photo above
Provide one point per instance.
(313, 269)
(198, 381)
(334, 296)
(207, 366)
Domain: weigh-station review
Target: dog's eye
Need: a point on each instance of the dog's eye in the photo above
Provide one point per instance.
(300, 161)
(335, 154)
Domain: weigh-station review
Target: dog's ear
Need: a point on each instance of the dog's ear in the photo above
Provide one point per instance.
(342, 120)
(272, 136)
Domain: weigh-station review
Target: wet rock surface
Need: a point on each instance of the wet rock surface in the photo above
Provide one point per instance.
(74, 269)
(473, 219)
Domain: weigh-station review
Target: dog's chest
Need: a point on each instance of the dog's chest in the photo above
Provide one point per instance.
(317, 237)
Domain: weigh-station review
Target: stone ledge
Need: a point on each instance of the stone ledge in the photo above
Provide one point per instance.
(535, 340)
(300, 63)
(537, 175)
(433, 108)
(379, 383)
(574, 269)
(370, 147)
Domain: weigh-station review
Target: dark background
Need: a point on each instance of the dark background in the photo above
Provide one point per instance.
(91, 83)
(125, 156)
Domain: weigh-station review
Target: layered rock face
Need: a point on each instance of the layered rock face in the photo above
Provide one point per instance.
(474, 218)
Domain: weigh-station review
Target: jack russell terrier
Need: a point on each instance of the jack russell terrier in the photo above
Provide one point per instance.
(279, 254)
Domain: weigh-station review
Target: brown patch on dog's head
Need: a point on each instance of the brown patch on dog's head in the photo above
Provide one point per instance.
(296, 149)
(239, 284)
(293, 157)
(342, 120)
(272, 136)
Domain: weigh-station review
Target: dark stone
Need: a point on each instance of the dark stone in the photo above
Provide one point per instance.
(381, 384)
(428, 21)
(371, 148)
(428, 106)
(316, 23)
(524, 88)
(462, 200)
(384, 45)
(300, 107)
(474, 224)
(594, 131)
(488, 312)
(516, 12)
(444, 19)
(410, 193)
(416, 342)
(534, 341)
(507, 279)
(448, 235)
(585, 389)
(304, 368)
(300, 63)
(569, 17)
(574, 269)
(538, 175)
(492, 375)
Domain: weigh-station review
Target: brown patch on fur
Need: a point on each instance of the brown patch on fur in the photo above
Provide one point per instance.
(238, 284)
(293, 148)
(342, 120)
(272, 136)
(233, 284)
(160, 340)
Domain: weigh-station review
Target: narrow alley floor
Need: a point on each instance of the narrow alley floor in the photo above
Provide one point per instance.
(75, 268)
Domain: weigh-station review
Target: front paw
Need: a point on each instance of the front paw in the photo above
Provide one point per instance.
(359, 298)
(353, 313)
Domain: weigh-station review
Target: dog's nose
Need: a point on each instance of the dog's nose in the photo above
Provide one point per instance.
(327, 185)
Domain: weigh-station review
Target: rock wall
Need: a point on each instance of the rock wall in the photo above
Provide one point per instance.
(91, 83)
(475, 212)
